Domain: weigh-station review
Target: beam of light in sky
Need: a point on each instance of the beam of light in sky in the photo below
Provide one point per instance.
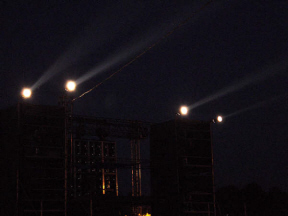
(255, 106)
(249, 80)
(61, 64)
(117, 58)
(82, 46)
(153, 34)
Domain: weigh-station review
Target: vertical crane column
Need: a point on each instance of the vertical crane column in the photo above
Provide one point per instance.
(66, 102)
(136, 168)
(136, 173)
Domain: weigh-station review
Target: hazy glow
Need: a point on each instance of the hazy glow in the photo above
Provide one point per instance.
(131, 49)
(219, 118)
(184, 110)
(26, 93)
(70, 86)
(108, 64)
(67, 60)
(82, 46)
(248, 80)
(87, 43)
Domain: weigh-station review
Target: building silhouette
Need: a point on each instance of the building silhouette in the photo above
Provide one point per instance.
(182, 177)
(53, 163)
(32, 160)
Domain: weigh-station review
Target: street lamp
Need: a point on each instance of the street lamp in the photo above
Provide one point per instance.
(183, 110)
(66, 101)
(70, 86)
(219, 118)
(26, 93)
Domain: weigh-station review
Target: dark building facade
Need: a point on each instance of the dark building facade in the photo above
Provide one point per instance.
(95, 172)
(182, 177)
(46, 169)
(95, 166)
(32, 160)
(53, 163)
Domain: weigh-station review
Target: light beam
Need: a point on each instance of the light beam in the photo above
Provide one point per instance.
(249, 80)
(255, 106)
(80, 47)
(117, 58)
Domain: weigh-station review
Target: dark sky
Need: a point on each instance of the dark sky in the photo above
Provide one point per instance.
(235, 50)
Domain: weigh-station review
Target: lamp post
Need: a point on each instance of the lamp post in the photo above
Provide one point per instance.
(219, 119)
(66, 102)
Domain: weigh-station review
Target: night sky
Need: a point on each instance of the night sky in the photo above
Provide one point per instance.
(229, 58)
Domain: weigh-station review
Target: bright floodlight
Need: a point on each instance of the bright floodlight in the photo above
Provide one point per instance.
(26, 93)
(219, 118)
(70, 86)
(184, 110)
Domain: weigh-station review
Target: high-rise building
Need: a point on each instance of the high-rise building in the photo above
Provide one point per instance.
(182, 177)
(32, 160)
(56, 163)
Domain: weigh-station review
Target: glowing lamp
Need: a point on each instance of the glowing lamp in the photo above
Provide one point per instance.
(184, 110)
(70, 86)
(219, 118)
(26, 93)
